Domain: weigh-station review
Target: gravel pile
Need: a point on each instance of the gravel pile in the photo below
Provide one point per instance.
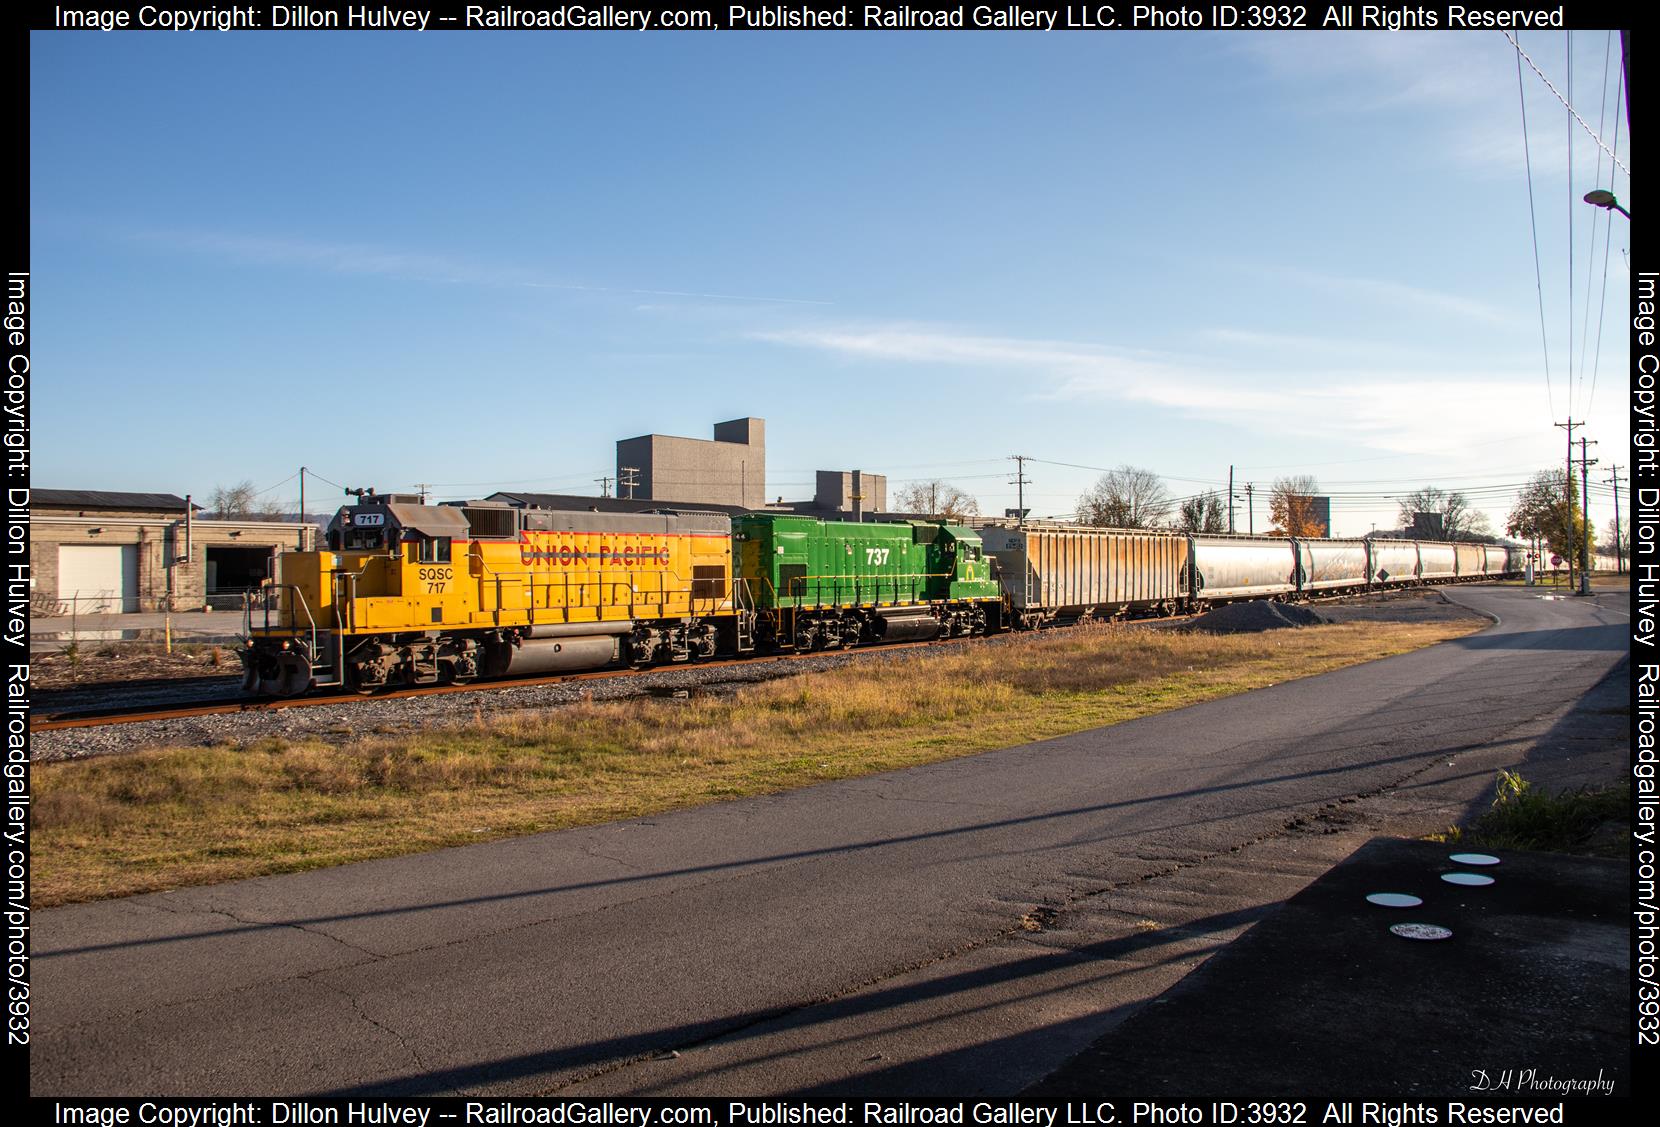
(1251, 618)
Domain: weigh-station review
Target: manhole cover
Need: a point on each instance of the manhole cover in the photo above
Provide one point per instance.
(1393, 900)
(1471, 880)
(1421, 931)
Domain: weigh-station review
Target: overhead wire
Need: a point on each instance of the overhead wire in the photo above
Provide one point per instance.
(1596, 220)
(1607, 243)
(1533, 219)
(1523, 55)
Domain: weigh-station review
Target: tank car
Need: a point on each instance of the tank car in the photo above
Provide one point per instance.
(827, 584)
(411, 594)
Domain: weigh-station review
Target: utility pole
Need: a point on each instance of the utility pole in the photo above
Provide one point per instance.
(1250, 509)
(1619, 556)
(302, 508)
(421, 489)
(628, 479)
(604, 486)
(1585, 464)
(1230, 499)
(1019, 481)
(1568, 482)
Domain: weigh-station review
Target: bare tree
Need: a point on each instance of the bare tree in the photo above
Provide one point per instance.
(937, 498)
(1458, 520)
(1128, 497)
(1291, 506)
(1204, 513)
(241, 502)
(1616, 541)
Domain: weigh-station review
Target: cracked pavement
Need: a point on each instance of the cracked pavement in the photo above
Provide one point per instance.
(990, 919)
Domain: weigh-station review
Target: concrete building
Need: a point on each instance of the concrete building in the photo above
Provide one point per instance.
(93, 551)
(853, 492)
(1322, 514)
(730, 470)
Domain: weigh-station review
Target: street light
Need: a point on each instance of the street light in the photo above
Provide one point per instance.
(1603, 198)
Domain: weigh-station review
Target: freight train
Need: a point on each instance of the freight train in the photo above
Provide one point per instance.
(405, 593)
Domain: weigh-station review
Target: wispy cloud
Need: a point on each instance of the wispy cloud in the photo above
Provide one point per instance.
(1462, 89)
(1397, 294)
(1397, 410)
(368, 260)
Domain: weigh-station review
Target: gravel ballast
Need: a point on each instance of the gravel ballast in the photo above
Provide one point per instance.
(355, 717)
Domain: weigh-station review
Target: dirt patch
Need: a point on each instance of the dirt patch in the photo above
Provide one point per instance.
(1399, 606)
(89, 667)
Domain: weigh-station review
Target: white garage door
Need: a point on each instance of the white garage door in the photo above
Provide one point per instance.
(102, 578)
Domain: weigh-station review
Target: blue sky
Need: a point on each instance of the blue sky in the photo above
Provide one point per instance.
(478, 260)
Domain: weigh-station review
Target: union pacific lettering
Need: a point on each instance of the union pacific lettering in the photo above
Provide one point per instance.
(567, 555)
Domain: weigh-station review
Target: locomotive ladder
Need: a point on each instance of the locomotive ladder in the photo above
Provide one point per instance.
(745, 603)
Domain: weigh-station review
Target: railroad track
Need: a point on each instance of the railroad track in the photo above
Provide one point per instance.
(100, 717)
(92, 718)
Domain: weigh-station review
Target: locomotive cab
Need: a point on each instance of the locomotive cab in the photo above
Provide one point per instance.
(389, 566)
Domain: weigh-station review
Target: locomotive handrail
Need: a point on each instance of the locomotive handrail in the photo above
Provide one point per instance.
(248, 613)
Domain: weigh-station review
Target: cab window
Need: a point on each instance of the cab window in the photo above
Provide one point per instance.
(362, 539)
(432, 549)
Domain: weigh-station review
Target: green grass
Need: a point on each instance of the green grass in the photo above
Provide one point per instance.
(1595, 822)
(161, 819)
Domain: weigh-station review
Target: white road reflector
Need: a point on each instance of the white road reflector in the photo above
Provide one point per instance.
(1421, 931)
(1473, 859)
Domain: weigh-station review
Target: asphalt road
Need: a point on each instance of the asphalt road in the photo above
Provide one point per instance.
(960, 928)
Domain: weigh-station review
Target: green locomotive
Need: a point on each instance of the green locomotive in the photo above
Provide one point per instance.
(828, 584)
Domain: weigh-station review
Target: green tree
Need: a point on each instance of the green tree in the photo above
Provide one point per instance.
(1204, 513)
(1547, 510)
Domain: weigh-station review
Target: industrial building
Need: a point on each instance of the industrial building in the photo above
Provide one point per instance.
(729, 470)
(95, 551)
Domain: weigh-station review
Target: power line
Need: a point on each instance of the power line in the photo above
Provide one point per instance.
(1523, 55)
(1533, 220)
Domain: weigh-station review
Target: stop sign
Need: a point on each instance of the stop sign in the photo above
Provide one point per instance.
(1556, 561)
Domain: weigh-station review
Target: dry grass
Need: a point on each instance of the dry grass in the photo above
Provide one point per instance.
(161, 819)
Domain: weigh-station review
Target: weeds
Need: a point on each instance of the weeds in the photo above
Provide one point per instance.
(1524, 817)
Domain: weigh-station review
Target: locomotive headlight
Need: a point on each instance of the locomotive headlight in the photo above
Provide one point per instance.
(285, 645)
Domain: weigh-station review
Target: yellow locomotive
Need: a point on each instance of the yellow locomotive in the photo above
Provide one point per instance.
(410, 594)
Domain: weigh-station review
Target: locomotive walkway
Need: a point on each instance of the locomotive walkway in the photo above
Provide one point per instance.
(961, 928)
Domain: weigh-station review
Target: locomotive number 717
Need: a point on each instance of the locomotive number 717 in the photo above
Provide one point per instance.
(875, 557)
(435, 578)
